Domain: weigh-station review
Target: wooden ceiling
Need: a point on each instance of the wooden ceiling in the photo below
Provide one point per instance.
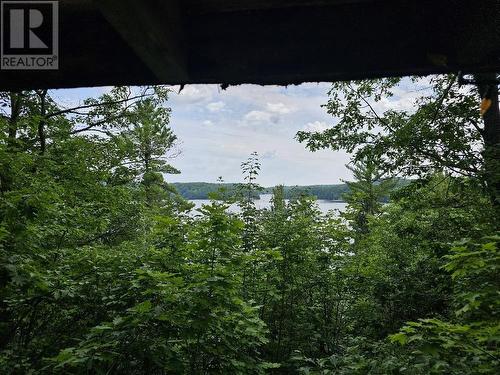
(131, 42)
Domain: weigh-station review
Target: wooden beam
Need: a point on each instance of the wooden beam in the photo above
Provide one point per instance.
(144, 42)
(153, 29)
(225, 6)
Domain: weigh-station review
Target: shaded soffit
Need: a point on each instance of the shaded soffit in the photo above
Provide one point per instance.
(131, 42)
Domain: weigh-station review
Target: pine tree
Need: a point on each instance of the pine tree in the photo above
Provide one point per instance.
(367, 192)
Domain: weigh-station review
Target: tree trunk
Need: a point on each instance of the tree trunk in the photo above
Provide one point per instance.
(491, 134)
(41, 124)
(15, 108)
(5, 170)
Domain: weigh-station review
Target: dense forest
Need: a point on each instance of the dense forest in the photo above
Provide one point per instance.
(105, 270)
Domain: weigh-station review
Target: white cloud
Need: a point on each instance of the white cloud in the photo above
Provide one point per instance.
(261, 117)
(272, 154)
(316, 126)
(216, 106)
(254, 118)
(280, 108)
(257, 118)
(271, 114)
(191, 94)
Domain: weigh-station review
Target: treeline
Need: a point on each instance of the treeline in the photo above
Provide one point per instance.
(335, 192)
(327, 192)
(202, 190)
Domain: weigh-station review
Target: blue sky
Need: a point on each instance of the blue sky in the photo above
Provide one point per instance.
(218, 129)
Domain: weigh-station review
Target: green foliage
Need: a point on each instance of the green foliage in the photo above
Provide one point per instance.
(442, 132)
(190, 321)
(246, 193)
(149, 139)
(469, 341)
(104, 269)
(366, 192)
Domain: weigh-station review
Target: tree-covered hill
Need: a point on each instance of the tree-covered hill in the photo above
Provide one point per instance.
(201, 190)
(335, 192)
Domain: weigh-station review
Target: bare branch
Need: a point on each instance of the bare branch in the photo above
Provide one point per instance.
(74, 109)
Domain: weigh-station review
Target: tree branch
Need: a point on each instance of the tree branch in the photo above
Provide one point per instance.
(74, 109)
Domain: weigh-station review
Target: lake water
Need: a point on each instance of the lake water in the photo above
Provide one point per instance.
(265, 202)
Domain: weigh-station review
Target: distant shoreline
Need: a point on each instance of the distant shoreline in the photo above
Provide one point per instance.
(331, 193)
(201, 190)
(328, 200)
